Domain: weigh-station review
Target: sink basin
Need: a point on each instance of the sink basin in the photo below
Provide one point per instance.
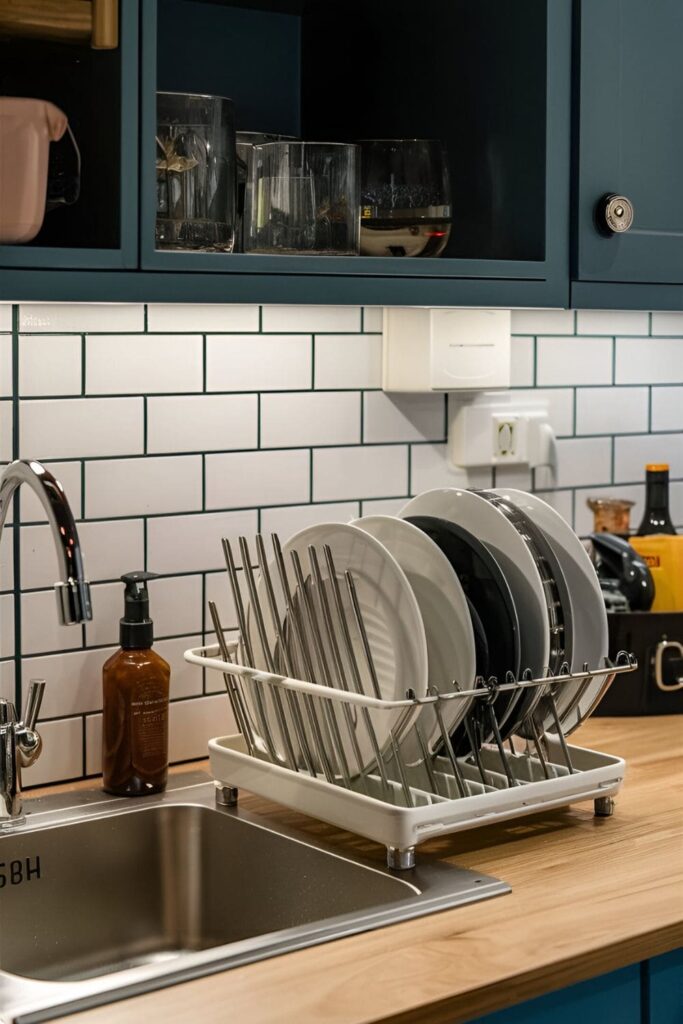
(113, 897)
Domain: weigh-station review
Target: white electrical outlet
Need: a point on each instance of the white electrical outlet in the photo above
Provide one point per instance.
(494, 430)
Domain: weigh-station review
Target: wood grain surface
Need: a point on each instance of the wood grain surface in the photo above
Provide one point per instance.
(588, 895)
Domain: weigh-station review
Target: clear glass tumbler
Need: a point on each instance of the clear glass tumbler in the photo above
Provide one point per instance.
(304, 199)
(405, 197)
(196, 172)
(245, 143)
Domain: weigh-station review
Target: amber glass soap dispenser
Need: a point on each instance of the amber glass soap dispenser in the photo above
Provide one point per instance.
(135, 702)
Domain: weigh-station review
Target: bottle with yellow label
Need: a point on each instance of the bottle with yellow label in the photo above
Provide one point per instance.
(663, 554)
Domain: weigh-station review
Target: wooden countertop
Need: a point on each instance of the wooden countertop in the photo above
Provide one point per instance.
(588, 896)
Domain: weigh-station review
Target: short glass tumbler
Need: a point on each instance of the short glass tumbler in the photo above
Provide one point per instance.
(405, 197)
(304, 199)
(196, 172)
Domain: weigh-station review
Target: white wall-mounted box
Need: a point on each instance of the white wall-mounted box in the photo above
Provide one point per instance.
(435, 349)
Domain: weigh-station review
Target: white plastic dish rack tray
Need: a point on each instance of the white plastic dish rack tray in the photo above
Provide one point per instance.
(290, 750)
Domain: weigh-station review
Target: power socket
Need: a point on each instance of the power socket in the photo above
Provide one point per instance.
(493, 430)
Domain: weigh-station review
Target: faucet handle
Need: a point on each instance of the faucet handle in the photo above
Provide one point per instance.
(36, 690)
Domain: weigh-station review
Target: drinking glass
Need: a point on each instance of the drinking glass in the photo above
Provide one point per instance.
(405, 197)
(245, 143)
(196, 172)
(304, 199)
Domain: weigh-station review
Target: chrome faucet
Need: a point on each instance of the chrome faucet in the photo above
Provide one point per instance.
(20, 744)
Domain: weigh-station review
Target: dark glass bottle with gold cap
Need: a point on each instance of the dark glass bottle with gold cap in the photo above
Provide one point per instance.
(657, 518)
(135, 702)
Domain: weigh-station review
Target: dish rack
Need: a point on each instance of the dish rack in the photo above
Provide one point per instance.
(332, 751)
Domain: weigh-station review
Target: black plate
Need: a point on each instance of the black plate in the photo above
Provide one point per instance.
(488, 593)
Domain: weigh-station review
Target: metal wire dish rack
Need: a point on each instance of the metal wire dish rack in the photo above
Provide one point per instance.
(384, 769)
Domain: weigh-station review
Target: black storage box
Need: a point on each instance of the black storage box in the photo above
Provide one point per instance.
(656, 686)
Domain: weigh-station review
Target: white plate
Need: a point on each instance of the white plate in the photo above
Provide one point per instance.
(590, 634)
(491, 526)
(392, 620)
(446, 618)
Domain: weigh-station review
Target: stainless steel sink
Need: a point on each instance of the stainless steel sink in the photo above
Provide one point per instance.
(110, 897)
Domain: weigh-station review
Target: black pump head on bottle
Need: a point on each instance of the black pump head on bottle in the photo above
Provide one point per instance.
(136, 627)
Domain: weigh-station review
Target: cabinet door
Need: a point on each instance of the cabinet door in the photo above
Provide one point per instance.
(630, 136)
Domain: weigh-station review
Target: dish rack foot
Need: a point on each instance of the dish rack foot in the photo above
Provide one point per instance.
(604, 807)
(400, 859)
(226, 796)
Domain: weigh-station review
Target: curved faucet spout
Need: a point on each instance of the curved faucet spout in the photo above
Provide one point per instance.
(73, 590)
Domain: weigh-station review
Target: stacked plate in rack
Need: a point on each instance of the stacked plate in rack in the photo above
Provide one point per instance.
(462, 588)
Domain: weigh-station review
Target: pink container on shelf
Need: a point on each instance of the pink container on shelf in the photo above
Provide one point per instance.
(27, 127)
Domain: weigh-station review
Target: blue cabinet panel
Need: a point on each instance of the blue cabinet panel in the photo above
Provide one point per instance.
(630, 139)
(610, 999)
(664, 987)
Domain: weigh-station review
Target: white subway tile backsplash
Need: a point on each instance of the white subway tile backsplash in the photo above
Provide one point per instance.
(190, 317)
(348, 361)
(632, 454)
(40, 628)
(199, 423)
(6, 560)
(5, 316)
(403, 417)
(310, 418)
(151, 486)
(241, 419)
(243, 479)
(559, 403)
(62, 754)
(667, 323)
(63, 317)
(522, 362)
(361, 472)
(564, 361)
(7, 625)
(7, 679)
(50, 364)
(193, 543)
(175, 603)
(542, 321)
(607, 321)
(81, 427)
(248, 362)
(5, 366)
(649, 361)
(311, 319)
(372, 318)
(579, 461)
(612, 410)
(93, 744)
(667, 408)
(144, 364)
(109, 549)
(6, 432)
(289, 520)
(430, 467)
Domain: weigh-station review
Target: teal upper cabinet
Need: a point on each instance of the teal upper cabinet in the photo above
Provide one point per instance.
(98, 92)
(628, 113)
(489, 78)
